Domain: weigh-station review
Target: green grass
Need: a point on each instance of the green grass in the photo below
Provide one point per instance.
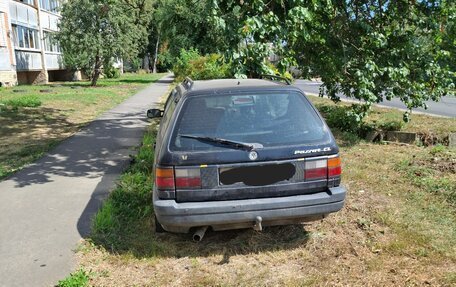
(450, 278)
(79, 278)
(434, 172)
(124, 221)
(24, 101)
(36, 117)
(23, 156)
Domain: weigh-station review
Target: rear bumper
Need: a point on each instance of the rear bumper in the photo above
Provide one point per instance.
(180, 217)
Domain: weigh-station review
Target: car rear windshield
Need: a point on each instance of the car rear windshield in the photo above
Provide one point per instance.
(268, 119)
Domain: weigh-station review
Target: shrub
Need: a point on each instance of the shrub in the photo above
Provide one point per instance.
(79, 278)
(181, 68)
(191, 64)
(391, 125)
(111, 72)
(142, 72)
(271, 69)
(164, 62)
(342, 118)
(209, 67)
(25, 101)
(132, 65)
(350, 119)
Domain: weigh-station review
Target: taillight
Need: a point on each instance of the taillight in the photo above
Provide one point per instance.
(334, 167)
(189, 178)
(316, 169)
(322, 168)
(164, 178)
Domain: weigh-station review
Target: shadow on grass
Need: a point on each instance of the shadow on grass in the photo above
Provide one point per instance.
(125, 224)
(27, 133)
(345, 139)
(137, 238)
(148, 81)
(137, 81)
(110, 82)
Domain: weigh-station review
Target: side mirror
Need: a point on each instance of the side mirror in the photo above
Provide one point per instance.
(154, 113)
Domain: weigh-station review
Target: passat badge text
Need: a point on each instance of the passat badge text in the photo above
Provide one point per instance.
(307, 151)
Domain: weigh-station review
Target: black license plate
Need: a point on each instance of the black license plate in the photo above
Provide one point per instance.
(257, 175)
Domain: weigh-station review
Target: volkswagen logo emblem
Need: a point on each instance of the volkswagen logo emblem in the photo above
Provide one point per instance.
(253, 155)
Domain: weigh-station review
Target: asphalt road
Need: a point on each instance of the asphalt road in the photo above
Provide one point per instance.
(446, 107)
(46, 208)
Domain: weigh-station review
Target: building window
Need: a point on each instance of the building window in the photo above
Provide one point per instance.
(50, 43)
(30, 2)
(50, 5)
(25, 37)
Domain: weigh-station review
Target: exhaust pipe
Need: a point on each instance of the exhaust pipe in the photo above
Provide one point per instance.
(199, 234)
(257, 226)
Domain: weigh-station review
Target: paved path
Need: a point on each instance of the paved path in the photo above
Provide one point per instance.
(45, 209)
(446, 107)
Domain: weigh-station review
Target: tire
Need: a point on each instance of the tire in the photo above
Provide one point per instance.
(158, 227)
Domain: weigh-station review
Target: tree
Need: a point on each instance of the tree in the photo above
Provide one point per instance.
(256, 30)
(142, 12)
(367, 49)
(94, 32)
(448, 27)
(183, 24)
(377, 50)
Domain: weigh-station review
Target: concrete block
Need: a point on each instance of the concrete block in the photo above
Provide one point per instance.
(403, 137)
(8, 78)
(374, 135)
(452, 140)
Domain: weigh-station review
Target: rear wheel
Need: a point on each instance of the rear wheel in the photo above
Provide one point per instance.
(158, 227)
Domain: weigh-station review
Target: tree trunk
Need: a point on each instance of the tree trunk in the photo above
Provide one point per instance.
(154, 70)
(96, 71)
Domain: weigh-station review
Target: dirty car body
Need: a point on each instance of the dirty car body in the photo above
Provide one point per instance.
(243, 154)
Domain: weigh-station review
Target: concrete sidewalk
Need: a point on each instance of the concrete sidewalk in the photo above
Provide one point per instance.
(46, 208)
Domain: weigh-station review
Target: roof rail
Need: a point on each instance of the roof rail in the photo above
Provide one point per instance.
(274, 77)
(188, 83)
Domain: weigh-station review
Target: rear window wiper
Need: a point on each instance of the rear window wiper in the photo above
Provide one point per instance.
(230, 143)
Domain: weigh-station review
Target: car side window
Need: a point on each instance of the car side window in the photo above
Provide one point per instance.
(169, 109)
(170, 98)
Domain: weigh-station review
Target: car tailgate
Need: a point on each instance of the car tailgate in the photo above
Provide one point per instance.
(259, 180)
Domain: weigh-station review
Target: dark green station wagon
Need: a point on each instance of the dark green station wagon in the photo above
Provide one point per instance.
(242, 154)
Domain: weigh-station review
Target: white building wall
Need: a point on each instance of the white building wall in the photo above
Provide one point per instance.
(5, 63)
(28, 57)
(28, 61)
(4, 5)
(24, 15)
(54, 61)
(49, 21)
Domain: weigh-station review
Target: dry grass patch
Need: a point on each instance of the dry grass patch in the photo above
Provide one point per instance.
(391, 232)
(398, 228)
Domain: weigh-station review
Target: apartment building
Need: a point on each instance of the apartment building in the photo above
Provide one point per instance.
(29, 53)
